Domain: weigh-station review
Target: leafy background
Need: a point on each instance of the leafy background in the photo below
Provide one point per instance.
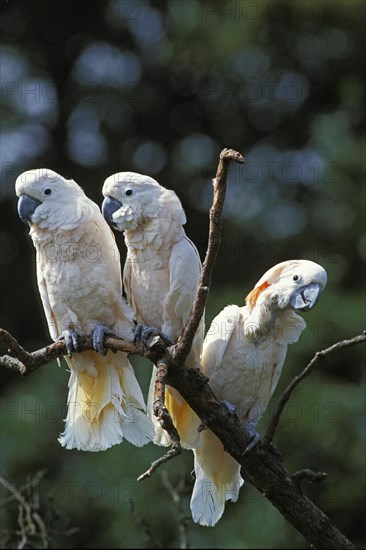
(92, 88)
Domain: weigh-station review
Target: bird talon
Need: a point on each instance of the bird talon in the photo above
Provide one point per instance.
(252, 443)
(231, 408)
(254, 437)
(138, 333)
(98, 338)
(144, 333)
(70, 337)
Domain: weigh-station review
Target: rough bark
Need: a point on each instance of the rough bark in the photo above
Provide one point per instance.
(262, 466)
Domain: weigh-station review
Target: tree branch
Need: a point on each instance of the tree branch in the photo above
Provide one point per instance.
(262, 466)
(182, 519)
(31, 525)
(315, 477)
(26, 362)
(307, 370)
(184, 343)
(162, 414)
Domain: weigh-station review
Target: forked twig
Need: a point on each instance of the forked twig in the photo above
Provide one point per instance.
(31, 524)
(182, 348)
(315, 477)
(25, 362)
(307, 370)
(182, 519)
(263, 466)
(166, 422)
(184, 344)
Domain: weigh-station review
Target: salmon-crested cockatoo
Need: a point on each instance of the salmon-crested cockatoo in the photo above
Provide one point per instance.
(79, 280)
(243, 355)
(160, 276)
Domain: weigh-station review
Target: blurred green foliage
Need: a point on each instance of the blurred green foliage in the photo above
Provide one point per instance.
(92, 88)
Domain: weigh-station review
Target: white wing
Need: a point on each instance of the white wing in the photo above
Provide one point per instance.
(218, 337)
(184, 271)
(42, 286)
(127, 279)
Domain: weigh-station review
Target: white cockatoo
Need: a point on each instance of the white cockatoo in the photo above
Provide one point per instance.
(160, 276)
(79, 280)
(243, 355)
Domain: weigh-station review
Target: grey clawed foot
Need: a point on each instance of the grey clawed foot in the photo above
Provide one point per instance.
(231, 408)
(98, 338)
(138, 333)
(143, 334)
(254, 437)
(70, 337)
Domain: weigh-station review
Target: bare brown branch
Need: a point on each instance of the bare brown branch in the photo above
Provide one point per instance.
(315, 477)
(262, 466)
(174, 451)
(182, 348)
(166, 422)
(26, 362)
(31, 525)
(184, 343)
(182, 520)
(307, 370)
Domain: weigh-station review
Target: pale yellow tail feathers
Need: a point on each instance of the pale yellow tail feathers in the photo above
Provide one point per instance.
(105, 404)
(218, 480)
(184, 418)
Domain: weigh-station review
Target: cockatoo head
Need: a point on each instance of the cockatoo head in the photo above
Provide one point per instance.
(47, 200)
(295, 284)
(133, 200)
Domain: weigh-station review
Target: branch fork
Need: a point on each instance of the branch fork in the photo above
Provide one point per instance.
(263, 466)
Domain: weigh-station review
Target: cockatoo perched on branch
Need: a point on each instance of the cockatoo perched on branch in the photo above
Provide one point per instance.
(79, 280)
(160, 276)
(243, 355)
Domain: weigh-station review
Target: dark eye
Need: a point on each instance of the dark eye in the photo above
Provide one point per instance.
(47, 191)
(129, 192)
(295, 277)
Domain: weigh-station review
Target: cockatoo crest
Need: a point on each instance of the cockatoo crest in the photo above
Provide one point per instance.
(293, 284)
(160, 276)
(79, 281)
(57, 202)
(141, 199)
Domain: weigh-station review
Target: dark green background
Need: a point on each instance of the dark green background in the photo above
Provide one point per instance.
(92, 88)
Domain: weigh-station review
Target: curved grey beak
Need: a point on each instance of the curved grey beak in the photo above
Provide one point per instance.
(26, 207)
(109, 207)
(306, 297)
